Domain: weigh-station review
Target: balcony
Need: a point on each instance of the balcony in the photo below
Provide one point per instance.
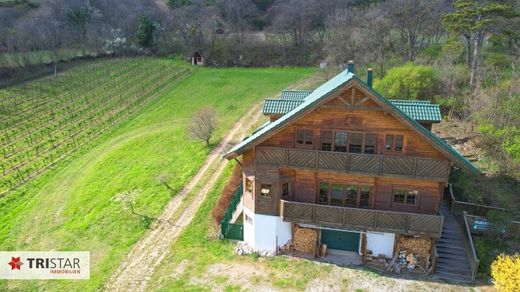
(370, 164)
(362, 219)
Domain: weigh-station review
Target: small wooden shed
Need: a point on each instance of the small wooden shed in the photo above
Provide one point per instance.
(197, 58)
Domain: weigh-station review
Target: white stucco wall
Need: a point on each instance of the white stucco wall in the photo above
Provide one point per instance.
(381, 243)
(249, 230)
(283, 232)
(266, 232)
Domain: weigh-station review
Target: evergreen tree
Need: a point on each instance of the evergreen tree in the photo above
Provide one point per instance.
(474, 19)
(145, 32)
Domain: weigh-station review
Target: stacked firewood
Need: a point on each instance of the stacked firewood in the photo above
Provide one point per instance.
(415, 245)
(411, 253)
(305, 239)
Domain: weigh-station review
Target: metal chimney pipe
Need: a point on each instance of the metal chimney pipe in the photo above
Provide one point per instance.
(369, 77)
(351, 67)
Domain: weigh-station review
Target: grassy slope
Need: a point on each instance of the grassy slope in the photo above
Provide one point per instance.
(71, 208)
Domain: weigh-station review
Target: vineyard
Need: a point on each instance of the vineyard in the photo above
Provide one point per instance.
(44, 121)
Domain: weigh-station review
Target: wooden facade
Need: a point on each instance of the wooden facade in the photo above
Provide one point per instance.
(346, 158)
(282, 162)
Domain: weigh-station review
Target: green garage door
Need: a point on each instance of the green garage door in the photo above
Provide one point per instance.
(340, 239)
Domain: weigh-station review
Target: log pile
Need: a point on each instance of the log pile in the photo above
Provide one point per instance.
(305, 239)
(411, 253)
(417, 245)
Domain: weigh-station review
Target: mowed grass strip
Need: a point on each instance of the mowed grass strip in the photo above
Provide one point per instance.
(71, 208)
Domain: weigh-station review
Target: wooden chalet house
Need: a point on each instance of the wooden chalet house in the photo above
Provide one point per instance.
(345, 161)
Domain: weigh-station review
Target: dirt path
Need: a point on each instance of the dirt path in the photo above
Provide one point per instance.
(138, 266)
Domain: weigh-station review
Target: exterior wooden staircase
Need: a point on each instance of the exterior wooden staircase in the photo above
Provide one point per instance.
(453, 263)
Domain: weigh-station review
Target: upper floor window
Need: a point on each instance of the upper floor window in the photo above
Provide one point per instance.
(370, 143)
(249, 186)
(404, 196)
(323, 195)
(394, 142)
(353, 142)
(364, 196)
(340, 141)
(285, 191)
(326, 140)
(304, 137)
(344, 195)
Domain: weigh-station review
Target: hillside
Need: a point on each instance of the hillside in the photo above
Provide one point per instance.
(73, 207)
(45, 121)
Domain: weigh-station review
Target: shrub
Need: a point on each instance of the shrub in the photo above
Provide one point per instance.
(505, 271)
(227, 195)
(409, 82)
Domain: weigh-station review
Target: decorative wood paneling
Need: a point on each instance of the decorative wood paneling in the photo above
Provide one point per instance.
(392, 220)
(332, 160)
(362, 219)
(359, 218)
(304, 213)
(370, 164)
(332, 216)
(398, 165)
(273, 156)
(432, 168)
(303, 158)
(364, 163)
(424, 224)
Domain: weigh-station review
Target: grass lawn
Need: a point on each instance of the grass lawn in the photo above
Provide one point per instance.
(71, 208)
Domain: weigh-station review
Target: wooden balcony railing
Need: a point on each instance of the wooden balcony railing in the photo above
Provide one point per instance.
(361, 219)
(470, 247)
(373, 164)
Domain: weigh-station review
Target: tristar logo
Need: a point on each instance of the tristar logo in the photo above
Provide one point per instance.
(15, 263)
(28, 265)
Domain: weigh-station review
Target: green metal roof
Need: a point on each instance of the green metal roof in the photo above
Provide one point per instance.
(295, 94)
(329, 88)
(419, 110)
(410, 101)
(280, 106)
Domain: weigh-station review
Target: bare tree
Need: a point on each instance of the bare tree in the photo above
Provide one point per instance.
(203, 124)
(163, 179)
(238, 13)
(414, 19)
(127, 200)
